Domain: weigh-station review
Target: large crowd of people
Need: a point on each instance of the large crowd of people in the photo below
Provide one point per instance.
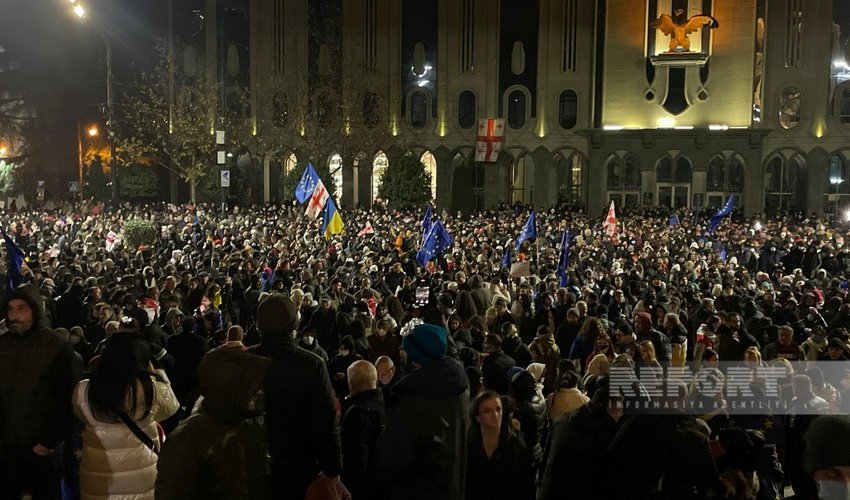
(243, 355)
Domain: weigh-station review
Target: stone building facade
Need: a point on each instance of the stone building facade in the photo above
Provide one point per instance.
(596, 106)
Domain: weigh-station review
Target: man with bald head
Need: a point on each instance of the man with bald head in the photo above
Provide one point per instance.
(360, 427)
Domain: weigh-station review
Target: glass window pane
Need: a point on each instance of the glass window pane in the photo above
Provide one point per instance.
(664, 170)
(789, 107)
(665, 196)
(683, 170)
(714, 180)
(844, 114)
(632, 172)
(615, 173)
(418, 110)
(568, 109)
(335, 166)
(370, 109)
(735, 176)
(516, 109)
(632, 200)
(466, 109)
(379, 166)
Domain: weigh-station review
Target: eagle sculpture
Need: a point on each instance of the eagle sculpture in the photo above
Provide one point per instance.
(679, 27)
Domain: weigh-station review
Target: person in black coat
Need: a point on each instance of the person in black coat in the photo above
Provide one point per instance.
(576, 447)
(496, 365)
(499, 465)
(361, 425)
(301, 425)
(422, 451)
(514, 346)
(530, 412)
(338, 365)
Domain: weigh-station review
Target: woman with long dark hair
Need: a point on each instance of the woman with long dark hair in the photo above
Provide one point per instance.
(499, 465)
(120, 405)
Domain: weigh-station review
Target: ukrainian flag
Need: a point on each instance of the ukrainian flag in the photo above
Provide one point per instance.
(331, 221)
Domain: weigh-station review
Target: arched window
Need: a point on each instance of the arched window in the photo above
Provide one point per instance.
(780, 179)
(286, 183)
(335, 167)
(516, 109)
(418, 109)
(789, 107)
(683, 170)
(370, 109)
(624, 180)
(466, 109)
(568, 109)
(379, 166)
(280, 110)
(844, 110)
(664, 170)
(725, 177)
(837, 187)
(430, 163)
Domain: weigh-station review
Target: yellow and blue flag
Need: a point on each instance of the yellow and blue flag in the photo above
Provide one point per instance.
(331, 220)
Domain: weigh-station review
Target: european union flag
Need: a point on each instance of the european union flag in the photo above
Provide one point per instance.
(506, 258)
(435, 243)
(674, 220)
(529, 232)
(723, 254)
(717, 218)
(426, 221)
(307, 184)
(14, 261)
(564, 261)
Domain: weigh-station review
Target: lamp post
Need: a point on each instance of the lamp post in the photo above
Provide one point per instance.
(836, 181)
(91, 132)
(81, 12)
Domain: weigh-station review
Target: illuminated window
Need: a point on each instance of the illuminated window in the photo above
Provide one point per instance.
(430, 163)
(379, 166)
(789, 108)
(335, 166)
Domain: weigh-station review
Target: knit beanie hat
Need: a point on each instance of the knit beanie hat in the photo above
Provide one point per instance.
(276, 314)
(827, 443)
(425, 342)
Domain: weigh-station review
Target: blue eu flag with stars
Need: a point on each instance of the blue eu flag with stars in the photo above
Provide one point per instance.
(307, 184)
(436, 242)
(529, 232)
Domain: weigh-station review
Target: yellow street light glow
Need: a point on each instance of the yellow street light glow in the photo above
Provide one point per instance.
(79, 10)
(3, 150)
(93, 131)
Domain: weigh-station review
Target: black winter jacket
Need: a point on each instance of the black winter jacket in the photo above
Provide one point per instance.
(422, 451)
(301, 421)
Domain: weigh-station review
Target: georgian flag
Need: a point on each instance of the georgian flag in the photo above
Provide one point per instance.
(367, 229)
(317, 201)
(110, 240)
(610, 224)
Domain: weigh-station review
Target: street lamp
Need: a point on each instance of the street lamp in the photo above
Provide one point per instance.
(80, 12)
(3, 150)
(92, 132)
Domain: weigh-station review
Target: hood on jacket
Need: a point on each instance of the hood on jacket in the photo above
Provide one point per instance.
(643, 322)
(475, 281)
(171, 314)
(438, 379)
